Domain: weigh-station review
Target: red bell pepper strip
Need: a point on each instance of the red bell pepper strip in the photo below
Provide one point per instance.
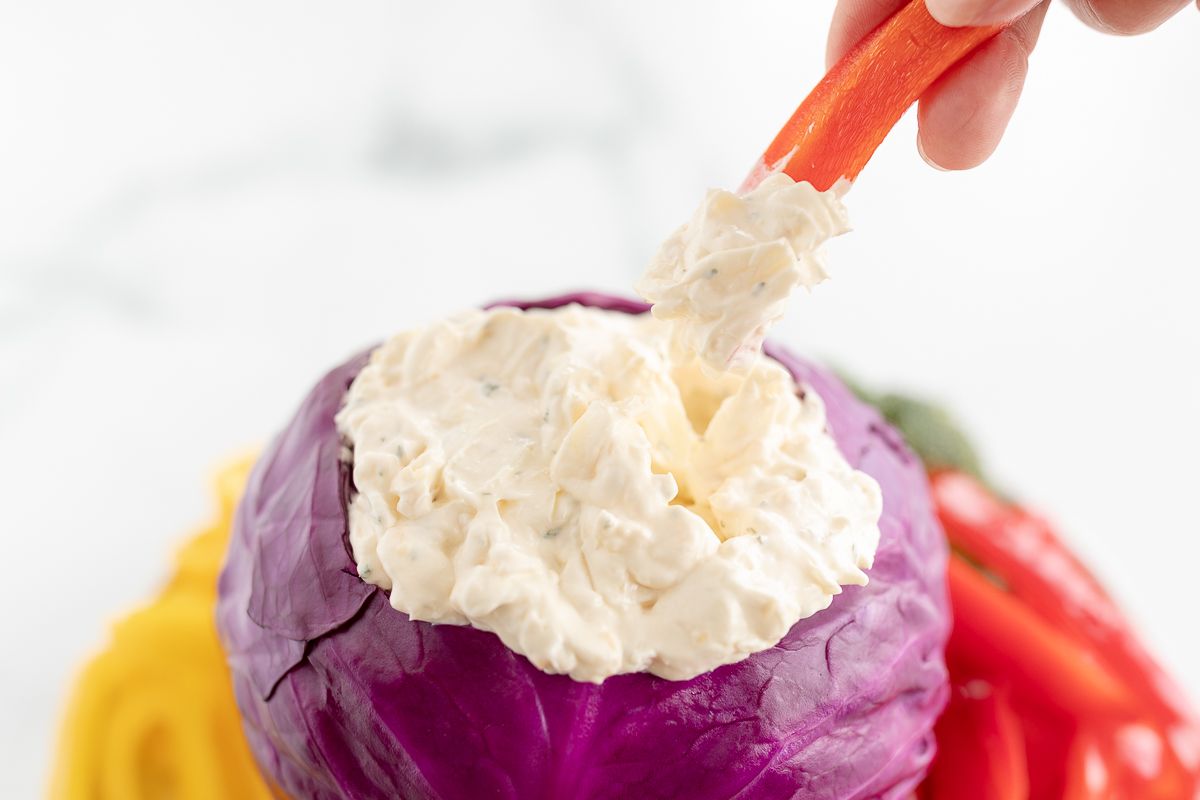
(981, 748)
(1087, 772)
(846, 117)
(1032, 618)
(1098, 717)
(1023, 551)
(997, 636)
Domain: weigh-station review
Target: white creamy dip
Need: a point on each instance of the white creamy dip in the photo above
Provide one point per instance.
(725, 277)
(572, 481)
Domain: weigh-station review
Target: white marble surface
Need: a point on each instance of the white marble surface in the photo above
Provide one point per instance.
(205, 204)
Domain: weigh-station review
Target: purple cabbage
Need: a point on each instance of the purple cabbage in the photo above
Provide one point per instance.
(344, 697)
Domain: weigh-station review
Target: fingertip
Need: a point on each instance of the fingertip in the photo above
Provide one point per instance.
(1126, 17)
(947, 149)
(925, 153)
(962, 117)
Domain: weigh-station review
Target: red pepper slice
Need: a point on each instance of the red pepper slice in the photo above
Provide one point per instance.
(981, 748)
(1035, 566)
(1053, 635)
(1088, 776)
(995, 635)
(844, 119)
(1023, 551)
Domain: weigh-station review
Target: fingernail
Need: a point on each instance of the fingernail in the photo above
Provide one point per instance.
(957, 13)
(952, 13)
(925, 156)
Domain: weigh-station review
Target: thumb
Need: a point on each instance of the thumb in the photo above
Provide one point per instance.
(958, 13)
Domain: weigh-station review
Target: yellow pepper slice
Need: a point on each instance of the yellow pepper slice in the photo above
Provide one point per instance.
(153, 714)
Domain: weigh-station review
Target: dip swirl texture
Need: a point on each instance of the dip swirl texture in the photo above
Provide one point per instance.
(568, 480)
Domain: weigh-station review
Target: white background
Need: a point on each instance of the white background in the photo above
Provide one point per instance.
(204, 205)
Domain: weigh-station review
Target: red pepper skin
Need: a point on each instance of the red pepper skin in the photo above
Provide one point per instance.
(1087, 775)
(981, 747)
(1023, 551)
(838, 127)
(998, 637)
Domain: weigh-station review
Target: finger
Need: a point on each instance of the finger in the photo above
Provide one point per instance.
(1126, 17)
(854, 19)
(957, 13)
(961, 118)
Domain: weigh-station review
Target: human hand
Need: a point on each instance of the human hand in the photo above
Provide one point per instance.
(962, 116)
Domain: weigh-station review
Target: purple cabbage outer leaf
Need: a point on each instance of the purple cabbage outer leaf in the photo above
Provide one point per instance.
(342, 696)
